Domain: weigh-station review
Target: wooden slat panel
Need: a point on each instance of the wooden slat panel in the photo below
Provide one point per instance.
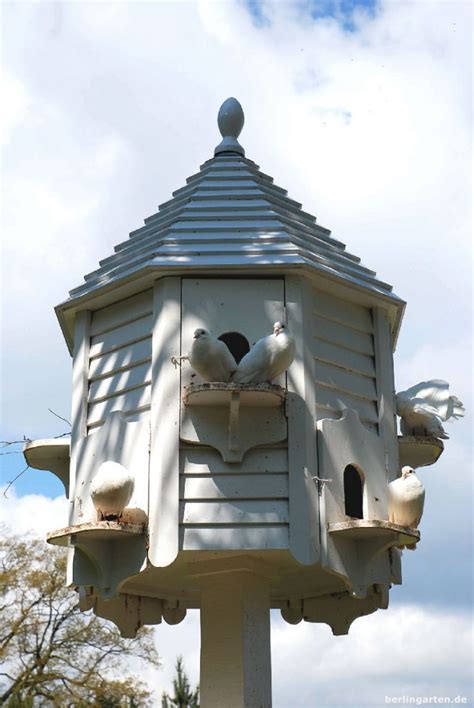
(122, 312)
(233, 538)
(327, 398)
(337, 378)
(343, 336)
(347, 313)
(205, 460)
(237, 486)
(116, 338)
(132, 354)
(238, 512)
(112, 385)
(342, 357)
(322, 413)
(131, 400)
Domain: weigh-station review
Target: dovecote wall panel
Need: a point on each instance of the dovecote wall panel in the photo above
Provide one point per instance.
(343, 349)
(119, 371)
(226, 506)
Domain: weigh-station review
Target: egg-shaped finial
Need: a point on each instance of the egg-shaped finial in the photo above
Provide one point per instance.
(230, 120)
(111, 489)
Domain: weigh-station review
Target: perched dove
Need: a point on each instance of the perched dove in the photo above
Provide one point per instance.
(423, 408)
(211, 358)
(406, 496)
(268, 358)
(111, 489)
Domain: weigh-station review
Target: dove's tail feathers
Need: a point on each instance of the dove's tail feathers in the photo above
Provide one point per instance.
(458, 409)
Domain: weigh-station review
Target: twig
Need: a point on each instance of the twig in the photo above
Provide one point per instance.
(14, 480)
(60, 417)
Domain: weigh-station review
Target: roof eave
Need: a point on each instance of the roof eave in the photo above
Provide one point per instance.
(103, 294)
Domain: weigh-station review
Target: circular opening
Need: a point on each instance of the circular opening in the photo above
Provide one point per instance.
(236, 343)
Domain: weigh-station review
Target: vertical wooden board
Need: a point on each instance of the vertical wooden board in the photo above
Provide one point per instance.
(249, 307)
(80, 365)
(165, 408)
(301, 404)
(386, 390)
(79, 389)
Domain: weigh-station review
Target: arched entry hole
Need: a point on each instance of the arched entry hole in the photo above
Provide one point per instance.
(237, 343)
(353, 492)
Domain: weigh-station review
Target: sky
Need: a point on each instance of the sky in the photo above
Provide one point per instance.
(363, 111)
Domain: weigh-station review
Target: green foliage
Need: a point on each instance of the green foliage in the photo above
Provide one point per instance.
(183, 696)
(51, 653)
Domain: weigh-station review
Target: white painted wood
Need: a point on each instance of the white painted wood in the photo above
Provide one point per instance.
(342, 311)
(338, 378)
(352, 361)
(120, 382)
(235, 642)
(348, 442)
(254, 511)
(79, 392)
(302, 454)
(205, 460)
(230, 538)
(343, 336)
(235, 486)
(120, 336)
(121, 359)
(386, 391)
(130, 401)
(165, 411)
(121, 312)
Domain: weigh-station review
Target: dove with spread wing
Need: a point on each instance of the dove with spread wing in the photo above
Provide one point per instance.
(424, 407)
(210, 357)
(268, 358)
(406, 497)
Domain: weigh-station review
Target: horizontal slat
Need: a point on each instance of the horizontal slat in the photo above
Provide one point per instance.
(116, 338)
(341, 379)
(233, 538)
(115, 361)
(131, 400)
(135, 414)
(343, 336)
(121, 312)
(112, 385)
(347, 313)
(205, 460)
(352, 361)
(327, 398)
(237, 512)
(237, 486)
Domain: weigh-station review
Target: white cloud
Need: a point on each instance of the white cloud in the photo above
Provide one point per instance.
(33, 513)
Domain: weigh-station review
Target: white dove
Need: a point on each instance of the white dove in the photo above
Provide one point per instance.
(211, 358)
(423, 408)
(111, 489)
(268, 358)
(406, 497)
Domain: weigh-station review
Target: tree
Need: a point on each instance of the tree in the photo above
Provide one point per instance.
(51, 653)
(183, 696)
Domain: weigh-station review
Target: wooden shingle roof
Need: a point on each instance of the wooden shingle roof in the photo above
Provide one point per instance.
(230, 216)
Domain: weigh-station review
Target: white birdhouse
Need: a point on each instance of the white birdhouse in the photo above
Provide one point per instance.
(287, 478)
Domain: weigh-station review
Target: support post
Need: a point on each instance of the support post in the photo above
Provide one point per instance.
(235, 640)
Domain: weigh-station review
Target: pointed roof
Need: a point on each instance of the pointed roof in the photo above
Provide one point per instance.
(230, 215)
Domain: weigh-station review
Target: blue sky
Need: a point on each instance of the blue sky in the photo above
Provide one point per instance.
(364, 116)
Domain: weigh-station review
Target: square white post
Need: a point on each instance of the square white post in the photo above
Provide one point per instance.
(235, 637)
